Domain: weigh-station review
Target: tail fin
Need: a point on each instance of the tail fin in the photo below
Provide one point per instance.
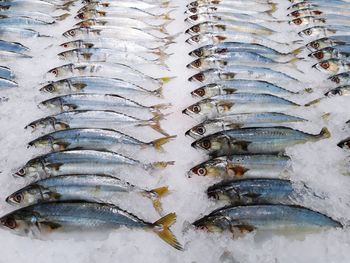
(164, 80)
(158, 92)
(61, 17)
(166, 16)
(155, 195)
(293, 64)
(154, 124)
(161, 106)
(325, 133)
(313, 102)
(158, 165)
(157, 144)
(161, 228)
(296, 51)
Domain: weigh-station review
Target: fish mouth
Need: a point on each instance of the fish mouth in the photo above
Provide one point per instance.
(194, 145)
(188, 133)
(185, 111)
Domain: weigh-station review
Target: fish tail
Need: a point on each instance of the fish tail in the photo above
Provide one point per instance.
(293, 62)
(66, 6)
(158, 92)
(164, 80)
(161, 228)
(273, 8)
(154, 123)
(155, 195)
(158, 143)
(161, 106)
(324, 133)
(159, 165)
(61, 17)
(166, 16)
(313, 102)
(296, 51)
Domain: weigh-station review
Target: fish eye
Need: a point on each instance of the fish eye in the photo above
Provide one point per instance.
(315, 45)
(194, 4)
(197, 63)
(297, 21)
(200, 130)
(194, 17)
(65, 45)
(195, 109)
(325, 65)
(295, 14)
(50, 88)
(199, 76)
(71, 32)
(195, 38)
(335, 79)
(201, 171)
(319, 55)
(206, 144)
(81, 16)
(317, 12)
(195, 29)
(200, 92)
(193, 10)
(308, 32)
(21, 172)
(18, 198)
(54, 71)
(10, 223)
(198, 52)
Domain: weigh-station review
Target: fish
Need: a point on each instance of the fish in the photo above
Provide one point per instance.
(44, 218)
(88, 187)
(6, 73)
(307, 21)
(22, 22)
(255, 191)
(238, 103)
(107, 55)
(119, 71)
(228, 47)
(7, 84)
(244, 72)
(14, 33)
(242, 166)
(341, 78)
(95, 119)
(329, 41)
(240, 86)
(129, 34)
(34, 15)
(241, 120)
(256, 140)
(332, 66)
(323, 31)
(88, 138)
(13, 49)
(96, 84)
(130, 4)
(34, 5)
(82, 162)
(229, 26)
(345, 144)
(91, 101)
(265, 217)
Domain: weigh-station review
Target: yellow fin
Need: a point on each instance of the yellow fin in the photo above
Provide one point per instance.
(157, 144)
(155, 195)
(325, 133)
(161, 228)
(165, 79)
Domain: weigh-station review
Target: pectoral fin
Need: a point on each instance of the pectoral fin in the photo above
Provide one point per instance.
(50, 225)
(243, 145)
(55, 166)
(225, 106)
(238, 170)
(79, 86)
(87, 56)
(229, 91)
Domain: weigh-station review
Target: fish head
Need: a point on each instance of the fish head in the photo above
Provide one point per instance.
(72, 44)
(42, 141)
(202, 92)
(199, 64)
(67, 55)
(86, 23)
(84, 15)
(195, 19)
(43, 122)
(61, 70)
(20, 222)
(192, 11)
(312, 32)
(194, 109)
(30, 169)
(198, 170)
(74, 32)
(199, 108)
(52, 103)
(212, 223)
(194, 30)
(198, 77)
(218, 193)
(27, 195)
(207, 144)
(197, 131)
(196, 39)
(317, 44)
(327, 66)
(340, 78)
(320, 54)
(199, 52)
(193, 4)
(56, 87)
(345, 144)
(300, 21)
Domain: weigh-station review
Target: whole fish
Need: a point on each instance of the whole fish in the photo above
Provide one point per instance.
(242, 120)
(238, 103)
(236, 166)
(7, 84)
(82, 162)
(106, 55)
(13, 49)
(79, 215)
(242, 71)
(229, 26)
(122, 12)
(255, 191)
(264, 140)
(265, 217)
(120, 45)
(91, 101)
(95, 119)
(95, 84)
(228, 47)
(345, 144)
(332, 66)
(87, 138)
(6, 73)
(240, 86)
(88, 187)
